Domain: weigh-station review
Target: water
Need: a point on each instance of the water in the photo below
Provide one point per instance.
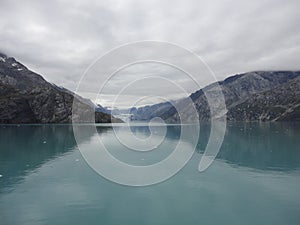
(254, 180)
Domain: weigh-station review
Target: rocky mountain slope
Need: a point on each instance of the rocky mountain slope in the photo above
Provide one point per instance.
(26, 97)
(253, 96)
(278, 104)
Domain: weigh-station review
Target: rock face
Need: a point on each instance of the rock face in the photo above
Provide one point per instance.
(26, 97)
(254, 96)
(281, 103)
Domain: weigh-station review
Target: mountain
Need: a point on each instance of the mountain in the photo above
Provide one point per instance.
(143, 113)
(114, 111)
(150, 111)
(281, 103)
(26, 97)
(253, 96)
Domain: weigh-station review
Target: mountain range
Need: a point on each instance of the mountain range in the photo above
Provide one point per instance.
(26, 97)
(252, 96)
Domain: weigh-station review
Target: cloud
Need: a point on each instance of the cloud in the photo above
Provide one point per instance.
(59, 39)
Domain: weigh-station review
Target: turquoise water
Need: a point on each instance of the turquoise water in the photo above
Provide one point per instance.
(254, 180)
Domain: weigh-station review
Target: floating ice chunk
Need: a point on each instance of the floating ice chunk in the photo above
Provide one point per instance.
(77, 160)
(20, 69)
(44, 142)
(1, 175)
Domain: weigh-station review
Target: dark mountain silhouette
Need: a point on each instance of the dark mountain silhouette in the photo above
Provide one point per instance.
(26, 97)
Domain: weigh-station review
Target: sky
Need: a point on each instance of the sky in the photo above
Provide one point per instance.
(60, 39)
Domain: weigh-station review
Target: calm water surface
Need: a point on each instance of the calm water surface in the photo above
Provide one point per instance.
(254, 180)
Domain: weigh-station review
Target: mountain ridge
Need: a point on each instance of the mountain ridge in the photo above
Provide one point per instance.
(236, 90)
(26, 97)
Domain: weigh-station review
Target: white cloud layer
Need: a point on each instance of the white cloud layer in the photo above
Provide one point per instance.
(59, 39)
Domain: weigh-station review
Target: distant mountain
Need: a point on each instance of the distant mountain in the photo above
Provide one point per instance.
(253, 96)
(26, 97)
(114, 111)
(150, 111)
(143, 113)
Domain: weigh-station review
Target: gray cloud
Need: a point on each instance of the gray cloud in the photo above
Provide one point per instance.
(59, 39)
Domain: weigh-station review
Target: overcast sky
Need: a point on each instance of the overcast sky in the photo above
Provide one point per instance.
(59, 39)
